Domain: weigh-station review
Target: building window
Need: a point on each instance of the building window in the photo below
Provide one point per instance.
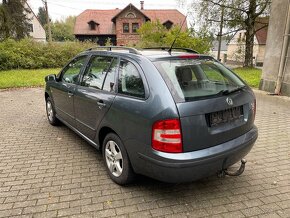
(168, 24)
(30, 27)
(92, 25)
(125, 27)
(135, 27)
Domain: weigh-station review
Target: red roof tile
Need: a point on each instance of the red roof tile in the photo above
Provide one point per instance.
(173, 15)
(102, 17)
(106, 26)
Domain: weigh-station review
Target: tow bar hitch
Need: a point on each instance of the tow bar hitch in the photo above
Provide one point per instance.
(225, 172)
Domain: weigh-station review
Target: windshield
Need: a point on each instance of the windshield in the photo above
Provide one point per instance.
(190, 79)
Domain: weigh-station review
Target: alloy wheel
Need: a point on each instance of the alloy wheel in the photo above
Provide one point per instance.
(114, 158)
(49, 111)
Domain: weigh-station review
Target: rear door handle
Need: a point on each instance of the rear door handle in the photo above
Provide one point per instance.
(101, 104)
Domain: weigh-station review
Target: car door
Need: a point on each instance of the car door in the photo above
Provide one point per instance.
(63, 91)
(95, 94)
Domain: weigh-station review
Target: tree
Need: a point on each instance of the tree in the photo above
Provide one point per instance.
(154, 34)
(4, 23)
(14, 22)
(108, 42)
(62, 30)
(238, 15)
(41, 16)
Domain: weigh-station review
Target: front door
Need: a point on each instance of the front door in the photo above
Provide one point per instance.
(63, 92)
(95, 94)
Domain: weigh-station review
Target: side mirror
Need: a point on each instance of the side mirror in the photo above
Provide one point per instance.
(51, 77)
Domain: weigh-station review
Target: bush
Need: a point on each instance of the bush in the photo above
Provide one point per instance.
(154, 34)
(28, 54)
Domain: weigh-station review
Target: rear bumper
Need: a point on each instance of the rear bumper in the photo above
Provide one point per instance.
(190, 166)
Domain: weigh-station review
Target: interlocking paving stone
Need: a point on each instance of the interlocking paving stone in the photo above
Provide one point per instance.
(48, 171)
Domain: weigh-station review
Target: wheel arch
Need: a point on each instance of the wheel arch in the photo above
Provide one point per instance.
(105, 130)
(46, 95)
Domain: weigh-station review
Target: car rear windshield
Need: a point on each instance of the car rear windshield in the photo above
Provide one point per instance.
(191, 79)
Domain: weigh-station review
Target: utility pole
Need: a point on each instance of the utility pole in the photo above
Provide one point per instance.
(47, 21)
(283, 60)
(220, 34)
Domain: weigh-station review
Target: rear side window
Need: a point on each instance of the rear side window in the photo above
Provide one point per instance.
(130, 82)
(190, 79)
(96, 72)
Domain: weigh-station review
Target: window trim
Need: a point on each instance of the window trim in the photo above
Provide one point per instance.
(141, 73)
(115, 76)
(130, 13)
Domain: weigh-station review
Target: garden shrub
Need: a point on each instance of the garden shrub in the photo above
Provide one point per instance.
(28, 54)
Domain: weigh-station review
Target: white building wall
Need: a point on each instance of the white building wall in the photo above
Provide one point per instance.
(38, 32)
(236, 48)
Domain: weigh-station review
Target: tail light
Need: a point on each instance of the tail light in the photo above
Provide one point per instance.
(166, 136)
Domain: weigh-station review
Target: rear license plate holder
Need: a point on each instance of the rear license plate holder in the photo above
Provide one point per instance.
(225, 116)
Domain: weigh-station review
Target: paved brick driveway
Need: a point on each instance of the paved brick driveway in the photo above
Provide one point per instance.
(47, 171)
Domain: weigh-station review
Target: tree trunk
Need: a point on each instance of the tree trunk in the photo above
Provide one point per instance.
(250, 33)
(249, 46)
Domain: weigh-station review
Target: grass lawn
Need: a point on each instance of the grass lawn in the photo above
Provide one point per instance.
(24, 78)
(30, 78)
(251, 75)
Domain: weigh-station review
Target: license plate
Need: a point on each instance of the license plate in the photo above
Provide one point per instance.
(225, 116)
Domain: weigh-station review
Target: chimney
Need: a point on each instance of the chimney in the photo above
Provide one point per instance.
(142, 5)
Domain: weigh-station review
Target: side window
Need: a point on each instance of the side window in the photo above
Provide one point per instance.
(72, 71)
(110, 78)
(96, 72)
(130, 82)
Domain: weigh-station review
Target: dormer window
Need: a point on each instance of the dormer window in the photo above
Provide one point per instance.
(168, 24)
(92, 25)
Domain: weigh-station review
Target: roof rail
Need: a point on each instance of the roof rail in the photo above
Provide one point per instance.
(174, 48)
(110, 48)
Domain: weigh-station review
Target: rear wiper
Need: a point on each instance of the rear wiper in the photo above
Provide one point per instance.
(227, 92)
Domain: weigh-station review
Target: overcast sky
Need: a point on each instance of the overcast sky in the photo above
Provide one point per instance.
(59, 9)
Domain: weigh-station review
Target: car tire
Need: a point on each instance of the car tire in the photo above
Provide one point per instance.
(116, 160)
(50, 112)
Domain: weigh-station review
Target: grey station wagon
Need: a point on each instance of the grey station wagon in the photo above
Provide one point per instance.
(175, 116)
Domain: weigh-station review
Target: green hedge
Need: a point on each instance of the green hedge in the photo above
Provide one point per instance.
(28, 54)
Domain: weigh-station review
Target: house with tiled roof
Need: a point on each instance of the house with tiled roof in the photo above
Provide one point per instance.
(121, 25)
(236, 46)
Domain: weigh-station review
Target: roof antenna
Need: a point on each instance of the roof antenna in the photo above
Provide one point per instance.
(170, 49)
